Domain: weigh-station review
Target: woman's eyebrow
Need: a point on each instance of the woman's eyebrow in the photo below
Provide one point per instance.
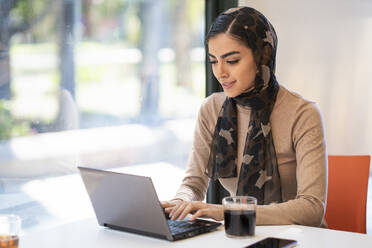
(225, 55)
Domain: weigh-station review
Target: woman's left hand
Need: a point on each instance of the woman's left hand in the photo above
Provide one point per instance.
(197, 209)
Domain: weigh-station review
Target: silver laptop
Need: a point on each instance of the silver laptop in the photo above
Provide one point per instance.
(129, 203)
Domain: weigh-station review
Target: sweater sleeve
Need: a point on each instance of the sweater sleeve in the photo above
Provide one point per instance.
(308, 207)
(195, 183)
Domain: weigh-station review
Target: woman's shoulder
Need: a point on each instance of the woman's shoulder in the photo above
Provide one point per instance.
(211, 107)
(213, 102)
(295, 112)
(290, 101)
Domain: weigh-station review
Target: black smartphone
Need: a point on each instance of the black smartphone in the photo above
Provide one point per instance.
(271, 242)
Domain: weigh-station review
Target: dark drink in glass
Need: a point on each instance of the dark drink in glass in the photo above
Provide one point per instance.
(240, 222)
(240, 215)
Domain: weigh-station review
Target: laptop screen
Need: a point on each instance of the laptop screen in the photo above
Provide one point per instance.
(125, 201)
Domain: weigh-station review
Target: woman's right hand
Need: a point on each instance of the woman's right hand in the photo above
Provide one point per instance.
(179, 209)
(170, 205)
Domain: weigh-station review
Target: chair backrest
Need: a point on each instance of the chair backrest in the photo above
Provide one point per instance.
(347, 192)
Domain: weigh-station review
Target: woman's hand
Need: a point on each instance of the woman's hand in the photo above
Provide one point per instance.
(179, 209)
(169, 205)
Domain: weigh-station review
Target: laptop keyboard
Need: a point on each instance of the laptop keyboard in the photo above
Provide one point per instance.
(177, 226)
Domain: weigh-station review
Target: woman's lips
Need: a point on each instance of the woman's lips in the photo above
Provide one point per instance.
(227, 85)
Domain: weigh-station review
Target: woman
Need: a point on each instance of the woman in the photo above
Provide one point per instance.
(257, 138)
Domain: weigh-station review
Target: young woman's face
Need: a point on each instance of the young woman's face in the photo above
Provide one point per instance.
(232, 63)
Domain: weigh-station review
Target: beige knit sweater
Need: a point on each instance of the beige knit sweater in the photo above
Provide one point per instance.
(300, 148)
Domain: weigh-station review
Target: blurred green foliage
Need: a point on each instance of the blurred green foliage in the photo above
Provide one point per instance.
(26, 12)
(6, 122)
(10, 127)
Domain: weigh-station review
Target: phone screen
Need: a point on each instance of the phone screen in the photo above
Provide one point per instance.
(273, 243)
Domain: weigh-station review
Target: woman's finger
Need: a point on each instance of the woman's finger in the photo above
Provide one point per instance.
(166, 204)
(190, 208)
(199, 213)
(168, 210)
(177, 210)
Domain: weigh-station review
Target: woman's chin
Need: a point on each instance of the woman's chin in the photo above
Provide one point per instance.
(234, 93)
(230, 94)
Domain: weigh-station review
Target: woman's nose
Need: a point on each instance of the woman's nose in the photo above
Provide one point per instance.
(222, 73)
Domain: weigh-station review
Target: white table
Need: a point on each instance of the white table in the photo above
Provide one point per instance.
(87, 233)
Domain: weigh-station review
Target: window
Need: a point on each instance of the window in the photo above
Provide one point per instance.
(105, 84)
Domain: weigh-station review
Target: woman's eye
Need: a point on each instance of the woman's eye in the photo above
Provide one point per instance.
(213, 61)
(233, 61)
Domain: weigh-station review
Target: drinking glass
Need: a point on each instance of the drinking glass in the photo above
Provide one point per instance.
(240, 215)
(10, 228)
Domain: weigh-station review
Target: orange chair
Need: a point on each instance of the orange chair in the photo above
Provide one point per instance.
(347, 192)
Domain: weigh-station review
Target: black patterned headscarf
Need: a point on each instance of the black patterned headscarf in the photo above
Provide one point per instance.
(259, 175)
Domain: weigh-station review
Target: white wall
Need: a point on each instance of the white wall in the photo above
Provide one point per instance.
(325, 54)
